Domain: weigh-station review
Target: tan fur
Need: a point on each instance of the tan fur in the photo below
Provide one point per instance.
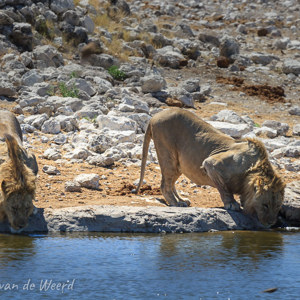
(17, 174)
(187, 145)
(90, 49)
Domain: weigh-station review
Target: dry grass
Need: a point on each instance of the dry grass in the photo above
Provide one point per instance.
(76, 2)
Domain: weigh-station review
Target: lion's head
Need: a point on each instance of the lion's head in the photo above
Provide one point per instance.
(17, 187)
(18, 207)
(264, 193)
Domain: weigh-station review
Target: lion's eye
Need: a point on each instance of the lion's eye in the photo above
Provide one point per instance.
(266, 206)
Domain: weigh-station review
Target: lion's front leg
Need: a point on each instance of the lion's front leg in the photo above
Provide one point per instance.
(2, 212)
(210, 165)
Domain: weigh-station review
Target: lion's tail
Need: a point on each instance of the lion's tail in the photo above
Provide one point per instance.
(147, 139)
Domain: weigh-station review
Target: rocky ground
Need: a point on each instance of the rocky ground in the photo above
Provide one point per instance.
(85, 77)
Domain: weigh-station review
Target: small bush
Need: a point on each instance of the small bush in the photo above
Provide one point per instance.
(68, 92)
(116, 73)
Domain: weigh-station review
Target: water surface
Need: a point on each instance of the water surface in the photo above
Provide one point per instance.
(221, 265)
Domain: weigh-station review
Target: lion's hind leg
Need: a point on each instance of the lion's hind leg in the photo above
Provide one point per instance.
(170, 173)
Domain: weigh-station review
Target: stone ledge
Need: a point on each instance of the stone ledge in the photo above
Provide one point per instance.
(137, 219)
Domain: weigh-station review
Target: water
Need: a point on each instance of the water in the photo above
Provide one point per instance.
(221, 265)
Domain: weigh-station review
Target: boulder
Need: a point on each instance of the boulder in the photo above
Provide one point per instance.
(61, 6)
(296, 129)
(233, 130)
(7, 89)
(290, 211)
(50, 170)
(51, 126)
(22, 36)
(229, 116)
(89, 181)
(229, 47)
(152, 83)
(191, 85)
(118, 123)
(52, 154)
(291, 66)
(32, 77)
(81, 85)
(261, 58)
(72, 186)
(47, 56)
(169, 57)
(281, 128)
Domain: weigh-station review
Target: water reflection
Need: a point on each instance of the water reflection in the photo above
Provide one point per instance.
(217, 249)
(14, 248)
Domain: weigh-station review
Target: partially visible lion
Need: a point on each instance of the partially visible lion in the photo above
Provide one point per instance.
(18, 170)
(187, 145)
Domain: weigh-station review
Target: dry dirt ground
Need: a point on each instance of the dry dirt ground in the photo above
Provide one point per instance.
(116, 182)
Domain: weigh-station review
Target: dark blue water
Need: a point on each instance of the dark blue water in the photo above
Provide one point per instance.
(226, 265)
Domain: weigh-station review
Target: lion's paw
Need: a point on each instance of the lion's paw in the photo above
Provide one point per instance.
(184, 203)
(232, 206)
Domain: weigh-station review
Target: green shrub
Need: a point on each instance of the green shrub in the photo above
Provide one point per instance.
(68, 92)
(116, 73)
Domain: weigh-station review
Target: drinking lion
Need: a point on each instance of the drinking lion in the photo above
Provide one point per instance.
(187, 145)
(18, 170)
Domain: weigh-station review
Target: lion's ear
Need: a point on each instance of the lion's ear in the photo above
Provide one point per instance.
(3, 186)
(253, 146)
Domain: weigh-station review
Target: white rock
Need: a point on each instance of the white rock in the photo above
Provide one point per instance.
(124, 136)
(272, 144)
(88, 24)
(51, 126)
(229, 116)
(152, 83)
(31, 77)
(295, 110)
(234, 130)
(48, 56)
(114, 153)
(260, 58)
(282, 128)
(72, 186)
(116, 123)
(90, 181)
(139, 105)
(99, 142)
(7, 89)
(78, 153)
(296, 129)
(191, 85)
(102, 85)
(183, 96)
(36, 120)
(141, 119)
(60, 6)
(269, 132)
(52, 154)
(100, 160)
(60, 139)
(291, 66)
(169, 57)
(81, 84)
(67, 123)
(50, 170)
(229, 47)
